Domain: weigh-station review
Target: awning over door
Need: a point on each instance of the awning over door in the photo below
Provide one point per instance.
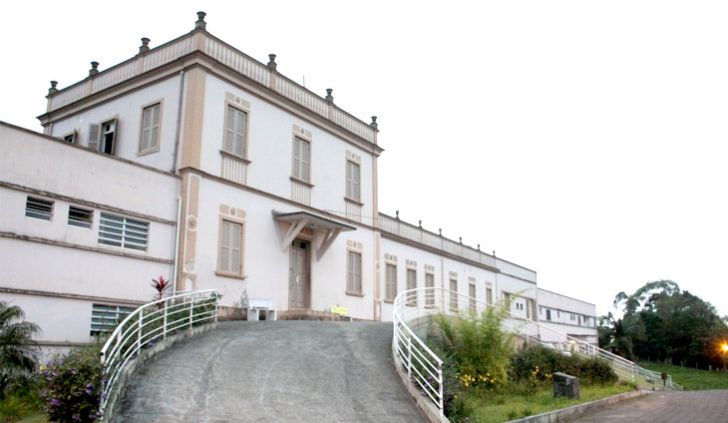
(324, 229)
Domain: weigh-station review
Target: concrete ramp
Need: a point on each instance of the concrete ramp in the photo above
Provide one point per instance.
(286, 371)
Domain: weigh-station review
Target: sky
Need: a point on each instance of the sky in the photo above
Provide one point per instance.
(585, 140)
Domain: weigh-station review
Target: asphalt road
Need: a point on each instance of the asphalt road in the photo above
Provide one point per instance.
(665, 407)
(287, 371)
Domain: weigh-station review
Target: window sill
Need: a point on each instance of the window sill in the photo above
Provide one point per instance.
(231, 275)
(234, 157)
(389, 301)
(355, 294)
(352, 201)
(302, 182)
(147, 152)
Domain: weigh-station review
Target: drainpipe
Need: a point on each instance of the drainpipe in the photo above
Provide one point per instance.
(175, 272)
(179, 120)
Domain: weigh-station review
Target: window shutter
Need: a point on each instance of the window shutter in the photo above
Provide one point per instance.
(94, 134)
(115, 125)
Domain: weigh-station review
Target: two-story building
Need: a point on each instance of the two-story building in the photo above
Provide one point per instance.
(196, 162)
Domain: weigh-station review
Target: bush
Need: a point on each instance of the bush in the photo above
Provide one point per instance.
(539, 363)
(72, 386)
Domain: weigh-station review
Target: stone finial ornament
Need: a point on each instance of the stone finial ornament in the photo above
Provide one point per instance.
(461, 240)
(374, 123)
(440, 231)
(397, 213)
(145, 45)
(329, 97)
(420, 224)
(272, 63)
(53, 89)
(478, 247)
(94, 69)
(201, 24)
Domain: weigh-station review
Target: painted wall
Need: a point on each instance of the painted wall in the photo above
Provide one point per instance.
(128, 110)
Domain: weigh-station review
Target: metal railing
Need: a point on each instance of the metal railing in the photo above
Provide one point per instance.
(150, 323)
(410, 320)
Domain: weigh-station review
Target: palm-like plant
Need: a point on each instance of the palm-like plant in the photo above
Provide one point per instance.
(18, 350)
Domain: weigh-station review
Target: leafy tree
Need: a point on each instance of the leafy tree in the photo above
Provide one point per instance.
(18, 350)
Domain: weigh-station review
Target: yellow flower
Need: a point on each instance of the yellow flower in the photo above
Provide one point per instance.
(42, 368)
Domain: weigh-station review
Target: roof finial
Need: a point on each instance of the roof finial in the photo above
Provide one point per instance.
(440, 231)
(201, 24)
(94, 69)
(374, 123)
(420, 224)
(461, 240)
(145, 45)
(329, 97)
(272, 64)
(53, 89)
(397, 212)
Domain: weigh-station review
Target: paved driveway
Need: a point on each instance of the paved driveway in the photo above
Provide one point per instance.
(665, 407)
(287, 371)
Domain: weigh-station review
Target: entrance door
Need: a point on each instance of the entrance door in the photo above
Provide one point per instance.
(299, 285)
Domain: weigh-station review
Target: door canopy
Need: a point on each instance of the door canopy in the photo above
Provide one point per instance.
(324, 229)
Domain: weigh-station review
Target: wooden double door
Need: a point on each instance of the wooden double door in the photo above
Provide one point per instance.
(299, 280)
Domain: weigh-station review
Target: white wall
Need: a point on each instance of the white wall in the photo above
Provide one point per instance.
(128, 110)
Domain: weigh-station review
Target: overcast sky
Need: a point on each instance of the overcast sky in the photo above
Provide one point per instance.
(584, 140)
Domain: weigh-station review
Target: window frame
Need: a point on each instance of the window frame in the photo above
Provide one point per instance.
(412, 298)
(351, 275)
(472, 293)
(81, 223)
(350, 164)
(430, 294)
(115, 310)
(74, 137)
(245, 111)
(390, 285)
(221, 231)
(297, 177)
(37, 213)
(453, 294)
(153, 147)
(124, 244)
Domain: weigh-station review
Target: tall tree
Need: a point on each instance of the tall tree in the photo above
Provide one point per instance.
(18, 349)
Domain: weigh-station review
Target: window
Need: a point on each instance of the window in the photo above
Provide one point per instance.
(391, 282)
(489, 296)
(37, 208)
(353, 279)
(453, 294)
(429, 293)
(80, 217)
(230, 258)
(412, 284)
(352, 181)
(301, 159)
(471, 292)
(119, 231)
(103, 137)
(105, 318)
(150, 129)
(71, 138)
(235, 129)
(548, 314)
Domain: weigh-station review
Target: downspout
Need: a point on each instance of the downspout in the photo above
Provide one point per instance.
(175, 272)
(179, 121)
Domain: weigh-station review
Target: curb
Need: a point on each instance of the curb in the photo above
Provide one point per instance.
(576, 410)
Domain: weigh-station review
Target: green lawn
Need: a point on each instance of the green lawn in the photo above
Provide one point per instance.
(502, 408)
(691, 379)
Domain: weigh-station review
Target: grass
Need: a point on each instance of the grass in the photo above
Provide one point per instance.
(502, 408)
(691, 379)
(19, 409)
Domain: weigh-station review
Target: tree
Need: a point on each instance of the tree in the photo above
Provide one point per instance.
(18, 350)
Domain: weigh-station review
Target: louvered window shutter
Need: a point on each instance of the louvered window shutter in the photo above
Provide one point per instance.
(94, 134)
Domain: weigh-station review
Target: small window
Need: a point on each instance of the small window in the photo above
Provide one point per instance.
(150, 129)
(231, 248)
(391, 276)
(82, 218)
(71, 138)
(102, 137)
(38, 208)
(123, 232)
(548, 314)
(353, 280)
(471, 293)
(352, 181)
(105, 318)
(412, 284)
(236, 123)
(301, 159)
(489, 296)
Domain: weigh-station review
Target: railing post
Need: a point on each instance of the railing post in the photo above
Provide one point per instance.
(440, 390)
(409, 356)
(164, 326)
(139, 333)
(191, 311)
(217, 308)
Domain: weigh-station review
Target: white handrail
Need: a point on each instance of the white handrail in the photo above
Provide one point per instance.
(424, 367)
(150, 323)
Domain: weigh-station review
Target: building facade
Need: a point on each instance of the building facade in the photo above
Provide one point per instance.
(195, 162)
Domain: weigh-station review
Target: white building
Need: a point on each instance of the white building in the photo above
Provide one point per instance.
(568, 315)
(196, 162)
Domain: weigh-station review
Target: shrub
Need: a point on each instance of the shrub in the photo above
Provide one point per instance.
(539, 363)
(72, 386)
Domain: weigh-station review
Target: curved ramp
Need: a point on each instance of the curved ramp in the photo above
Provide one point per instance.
(288, 371)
